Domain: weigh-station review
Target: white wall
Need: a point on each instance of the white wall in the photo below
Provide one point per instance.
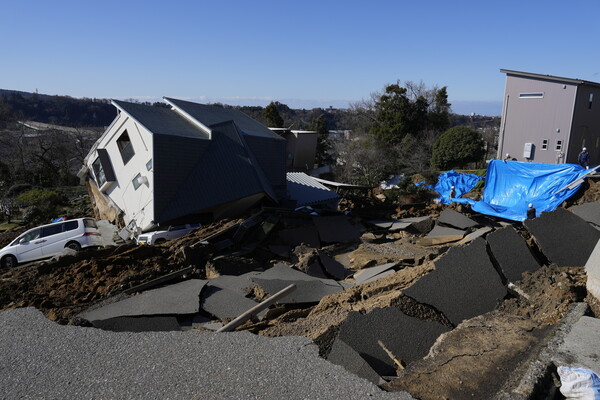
(136, 204)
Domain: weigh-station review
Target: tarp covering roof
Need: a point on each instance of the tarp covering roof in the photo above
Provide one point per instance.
(511, 185)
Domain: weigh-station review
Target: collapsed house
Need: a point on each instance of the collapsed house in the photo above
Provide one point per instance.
(189, 162)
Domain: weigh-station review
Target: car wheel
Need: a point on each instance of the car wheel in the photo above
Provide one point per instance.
(73, 246)
(9, 261)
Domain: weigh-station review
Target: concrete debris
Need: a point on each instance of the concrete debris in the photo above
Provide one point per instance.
(440, 235)
(463, 285)
(333, 268)
(308, 291)
(564, 238)
(460, 305)
(575, 351)
(592, 269)
(336, 229)
(300, 235)
(455, 219)
(511, 253)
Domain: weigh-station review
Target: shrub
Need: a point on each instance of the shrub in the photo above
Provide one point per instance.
(456, 147)
(41, 198)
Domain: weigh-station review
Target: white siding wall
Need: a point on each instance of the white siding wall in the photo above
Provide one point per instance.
(137, 204)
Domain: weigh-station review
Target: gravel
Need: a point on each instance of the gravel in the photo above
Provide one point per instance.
(42, 359)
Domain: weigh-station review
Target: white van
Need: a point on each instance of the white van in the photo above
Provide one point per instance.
(49, 240)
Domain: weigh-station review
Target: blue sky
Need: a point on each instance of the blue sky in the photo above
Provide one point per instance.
(302, 53)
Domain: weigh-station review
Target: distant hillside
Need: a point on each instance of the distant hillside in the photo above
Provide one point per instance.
(59, 110)
(68, 111)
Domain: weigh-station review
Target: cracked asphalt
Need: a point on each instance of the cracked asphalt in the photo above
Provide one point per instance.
(42, 359)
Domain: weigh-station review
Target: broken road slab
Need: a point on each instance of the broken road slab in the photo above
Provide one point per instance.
(55, 361)
(440, 235)
(332, 267)
(407, 338)
(336, 229)
(455, 219)
(303, 234)
(463, 285)
(589, 212)
(420, 224)
(306, 291)
(474, 235)
(159, 323)
(179, 298)
(511, 253)
(344, 355)
(564, 238)
(224, 303)
(366, 274)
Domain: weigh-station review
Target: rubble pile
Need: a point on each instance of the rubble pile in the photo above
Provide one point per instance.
(450, 297)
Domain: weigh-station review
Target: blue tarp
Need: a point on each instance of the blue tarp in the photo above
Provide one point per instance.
(463, 183)
(511, 185)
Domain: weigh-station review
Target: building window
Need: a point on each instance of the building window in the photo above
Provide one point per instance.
(125, 147)
(149, 165)
(531, 95)
(137, 181)
(591, 100)
(544, 144)
(558, 145)
(99, 172)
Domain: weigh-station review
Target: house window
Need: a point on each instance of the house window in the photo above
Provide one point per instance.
(544, 144)
(125, 147)
(149, 165)
(531, 95)
(591, 100)
(99, 172)
(137, 181)
(558, 145)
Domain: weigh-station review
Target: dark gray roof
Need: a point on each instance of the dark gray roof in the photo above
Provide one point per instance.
(159, 120)
(211, 115)
(223, 172)
(548, 77)
(194, 172)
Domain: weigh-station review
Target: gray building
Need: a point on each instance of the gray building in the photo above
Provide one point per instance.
(188, 162)
(549, 119)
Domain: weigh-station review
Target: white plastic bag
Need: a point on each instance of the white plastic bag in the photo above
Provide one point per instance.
(579, 383)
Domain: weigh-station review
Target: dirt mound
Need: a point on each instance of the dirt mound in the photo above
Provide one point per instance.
(547, 293)
(63, 288)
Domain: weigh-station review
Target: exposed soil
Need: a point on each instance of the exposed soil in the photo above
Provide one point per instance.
(64, 287)
(473, 360)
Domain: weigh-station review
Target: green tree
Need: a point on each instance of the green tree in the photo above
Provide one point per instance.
(438, 117)
(272, 116)
(320, 125)
(396, 115)
(456, 147)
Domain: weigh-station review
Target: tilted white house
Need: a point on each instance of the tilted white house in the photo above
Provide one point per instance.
(189, 162)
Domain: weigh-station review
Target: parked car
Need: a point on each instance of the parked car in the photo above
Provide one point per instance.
(173, 232)
(49, 240)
